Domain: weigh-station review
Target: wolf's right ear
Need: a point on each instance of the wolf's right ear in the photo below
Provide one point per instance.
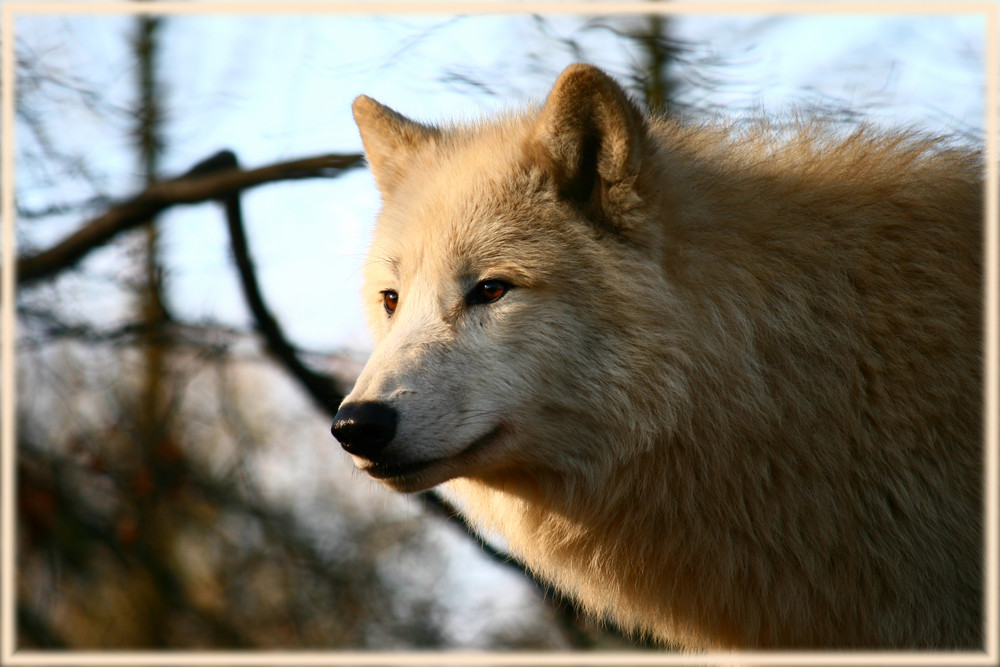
(390, 140)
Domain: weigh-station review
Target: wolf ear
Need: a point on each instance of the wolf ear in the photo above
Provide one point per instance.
(590, 137)
(390, 139)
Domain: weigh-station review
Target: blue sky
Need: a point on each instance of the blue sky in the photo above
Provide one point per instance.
(278, 87)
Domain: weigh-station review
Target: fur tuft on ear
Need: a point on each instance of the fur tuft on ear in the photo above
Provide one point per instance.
(590, 136)
(390, 140)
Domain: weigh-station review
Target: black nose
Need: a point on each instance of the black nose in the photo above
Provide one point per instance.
(365, 428)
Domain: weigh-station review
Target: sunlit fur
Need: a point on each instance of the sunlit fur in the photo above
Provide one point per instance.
(737, 380)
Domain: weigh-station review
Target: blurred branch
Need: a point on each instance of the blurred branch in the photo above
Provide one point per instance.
(62, 208)
(325, 392)
(40, 329)
(205, 182)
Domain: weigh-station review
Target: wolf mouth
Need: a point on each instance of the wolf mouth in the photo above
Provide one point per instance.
(385, 470)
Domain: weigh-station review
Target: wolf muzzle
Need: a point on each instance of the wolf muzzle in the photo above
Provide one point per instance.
(364, 429)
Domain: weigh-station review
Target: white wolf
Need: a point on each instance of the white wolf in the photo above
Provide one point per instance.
(721, 386)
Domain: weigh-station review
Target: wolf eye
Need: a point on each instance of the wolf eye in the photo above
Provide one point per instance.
(390, 299)
(487, 291)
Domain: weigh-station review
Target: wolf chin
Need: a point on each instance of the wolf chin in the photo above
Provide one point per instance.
(721, 384)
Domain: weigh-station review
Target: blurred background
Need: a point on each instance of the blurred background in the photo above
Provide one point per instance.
(192, 215)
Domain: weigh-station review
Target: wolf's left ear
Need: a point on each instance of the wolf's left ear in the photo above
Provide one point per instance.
(391, 140)
(590, 137)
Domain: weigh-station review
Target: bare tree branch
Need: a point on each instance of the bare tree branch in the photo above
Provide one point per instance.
(325, 392)
(205, 182)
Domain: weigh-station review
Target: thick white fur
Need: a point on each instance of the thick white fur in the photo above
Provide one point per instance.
(733, 397)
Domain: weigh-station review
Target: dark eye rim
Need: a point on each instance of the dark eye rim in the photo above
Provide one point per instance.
(388, 294)
(478, 294)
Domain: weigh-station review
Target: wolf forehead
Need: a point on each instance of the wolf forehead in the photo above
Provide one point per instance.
(473, 196)
(472, 172)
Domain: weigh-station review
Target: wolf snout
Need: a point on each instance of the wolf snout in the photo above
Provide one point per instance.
(364, 429)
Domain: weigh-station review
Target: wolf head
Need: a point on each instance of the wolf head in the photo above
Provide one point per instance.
(512, 272)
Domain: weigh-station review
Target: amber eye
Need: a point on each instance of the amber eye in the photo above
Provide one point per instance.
(390, 299)
(487, 291)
